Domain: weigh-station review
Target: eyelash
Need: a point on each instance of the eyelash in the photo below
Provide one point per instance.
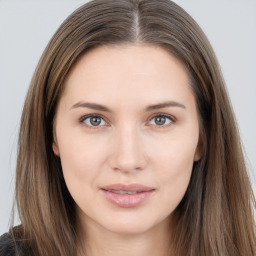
(83, 118)
(171, 118)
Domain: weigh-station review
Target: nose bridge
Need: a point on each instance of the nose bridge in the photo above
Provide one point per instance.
(128, 154)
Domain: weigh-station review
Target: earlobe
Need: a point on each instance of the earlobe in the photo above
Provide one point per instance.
(55, 149)
(197, 155)
(198, 152)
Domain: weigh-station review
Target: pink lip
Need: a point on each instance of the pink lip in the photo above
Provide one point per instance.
(127, 200)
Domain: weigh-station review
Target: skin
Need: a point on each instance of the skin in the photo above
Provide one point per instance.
(128, 146)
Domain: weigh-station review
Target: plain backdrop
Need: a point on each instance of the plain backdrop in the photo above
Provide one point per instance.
(27, 26)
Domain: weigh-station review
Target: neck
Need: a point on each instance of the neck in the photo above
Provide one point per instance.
(99, 241)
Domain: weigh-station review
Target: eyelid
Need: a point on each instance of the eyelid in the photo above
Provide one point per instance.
(172, 118)
(81, 120)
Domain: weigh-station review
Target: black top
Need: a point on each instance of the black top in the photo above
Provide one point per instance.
(7, 246)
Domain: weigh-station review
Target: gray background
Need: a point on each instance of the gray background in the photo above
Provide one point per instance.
(26, 27)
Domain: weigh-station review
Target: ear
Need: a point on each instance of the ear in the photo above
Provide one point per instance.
(199, 151)
(55, 149)
(55, 146)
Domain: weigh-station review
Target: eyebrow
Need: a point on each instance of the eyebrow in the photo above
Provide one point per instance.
(165, 105)
(91, 106)
(149, 108)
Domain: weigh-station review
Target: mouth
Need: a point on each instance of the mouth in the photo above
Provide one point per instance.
(123, 192)
(127, 196)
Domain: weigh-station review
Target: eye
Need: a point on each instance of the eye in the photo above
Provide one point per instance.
(161, 120)
(93, 120)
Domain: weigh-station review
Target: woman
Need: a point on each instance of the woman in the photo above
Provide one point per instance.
(128, 144)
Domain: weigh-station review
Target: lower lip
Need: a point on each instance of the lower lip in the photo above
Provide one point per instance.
(126, 200)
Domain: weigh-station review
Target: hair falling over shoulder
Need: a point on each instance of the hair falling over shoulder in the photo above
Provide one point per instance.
(215, 216)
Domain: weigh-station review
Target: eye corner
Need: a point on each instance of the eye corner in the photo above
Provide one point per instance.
(82, 121)
(164, 117)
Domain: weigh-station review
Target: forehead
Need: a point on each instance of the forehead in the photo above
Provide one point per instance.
(150, 58)
(126, 69)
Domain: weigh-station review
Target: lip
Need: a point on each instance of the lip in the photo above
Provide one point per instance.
(127, 200)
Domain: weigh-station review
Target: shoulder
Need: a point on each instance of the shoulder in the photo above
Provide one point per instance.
(7, 245)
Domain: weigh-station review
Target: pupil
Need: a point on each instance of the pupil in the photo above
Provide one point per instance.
(160, 120)
(95, 120)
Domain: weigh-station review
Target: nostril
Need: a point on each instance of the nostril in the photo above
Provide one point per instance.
(127, 166)
(128, 153)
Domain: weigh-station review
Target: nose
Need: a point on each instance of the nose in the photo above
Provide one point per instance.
(128, 153)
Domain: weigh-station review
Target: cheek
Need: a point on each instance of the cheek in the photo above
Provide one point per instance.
(176, 166)
(78, 152)
(80, 162)
(80, 171)
(174, 171)
(175, 154)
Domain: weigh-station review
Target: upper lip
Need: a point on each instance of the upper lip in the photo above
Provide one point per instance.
(130, 187)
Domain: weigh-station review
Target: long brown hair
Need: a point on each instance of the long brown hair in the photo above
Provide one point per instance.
(215, 217)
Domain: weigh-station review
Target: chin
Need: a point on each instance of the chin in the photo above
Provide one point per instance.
(128, 229)
(134, 225)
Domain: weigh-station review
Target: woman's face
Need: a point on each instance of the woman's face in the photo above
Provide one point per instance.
(127, 135)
